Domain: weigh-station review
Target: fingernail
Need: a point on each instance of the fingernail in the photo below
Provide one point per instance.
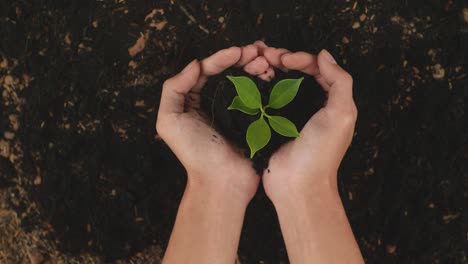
(260, 43)
(189, 67)
(328, 56)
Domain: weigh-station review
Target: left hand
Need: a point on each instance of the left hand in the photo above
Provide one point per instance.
(210, 160)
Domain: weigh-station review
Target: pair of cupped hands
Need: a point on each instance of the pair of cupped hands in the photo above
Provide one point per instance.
(218, 168)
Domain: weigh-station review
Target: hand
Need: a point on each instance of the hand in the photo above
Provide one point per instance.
(309, 164)
(210, 160)
(301, 176)
(221, 181)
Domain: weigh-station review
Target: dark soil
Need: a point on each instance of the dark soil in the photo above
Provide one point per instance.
(85, 178)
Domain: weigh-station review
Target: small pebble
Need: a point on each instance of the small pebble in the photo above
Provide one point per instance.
(356, 25)
(9, 135)
(391, 249)
(14, 122)
(4, 149)
(396, 19)
(438, 72)
(8, 80)
(67, 39)
(450, 217)
(221, 20)
(37, 180)
(35, 256)
(362, 17)
(4, 63)
(345, 40)
(259, 18)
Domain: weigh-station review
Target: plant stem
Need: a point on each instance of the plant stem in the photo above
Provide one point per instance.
(263, 112)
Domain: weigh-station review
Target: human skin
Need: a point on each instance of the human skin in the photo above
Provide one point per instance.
(301, 179)
(221, 181)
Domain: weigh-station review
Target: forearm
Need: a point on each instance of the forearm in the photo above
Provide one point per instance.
(315, 228)
(207, 227)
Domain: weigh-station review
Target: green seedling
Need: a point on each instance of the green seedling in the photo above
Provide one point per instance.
(249, 101)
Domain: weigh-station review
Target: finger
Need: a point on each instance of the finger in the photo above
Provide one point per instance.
(339, 83)
(305, 62)
(301, 61)
(257, 66)
(216, 64)
(273, 56)
(261, 47)
(175, 89)
(268, 75)
(220, 61)
(248, 54)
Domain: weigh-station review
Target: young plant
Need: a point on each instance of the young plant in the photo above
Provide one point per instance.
(249, 101)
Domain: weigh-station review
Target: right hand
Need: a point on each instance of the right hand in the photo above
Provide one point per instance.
(308, 165)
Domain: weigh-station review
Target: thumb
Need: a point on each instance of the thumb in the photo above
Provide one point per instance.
(334, 80)
(175, 89)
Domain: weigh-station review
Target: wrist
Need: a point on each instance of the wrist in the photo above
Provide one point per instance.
(301, 189)
(310, 210)
(216, 189)
(303, 201)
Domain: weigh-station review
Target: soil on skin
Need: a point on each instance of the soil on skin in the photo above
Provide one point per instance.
(85, 179)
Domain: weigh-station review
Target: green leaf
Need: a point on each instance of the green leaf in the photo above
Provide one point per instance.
(258, 135)
(284, 92)
(247, 91)
(237, 104)
(283, 126)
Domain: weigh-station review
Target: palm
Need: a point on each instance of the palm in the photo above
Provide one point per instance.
(303, 156)
(206, 155)
(202, 145)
